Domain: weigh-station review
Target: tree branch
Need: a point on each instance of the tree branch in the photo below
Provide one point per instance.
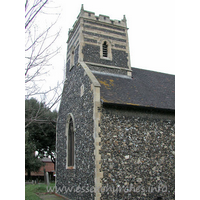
(36, 12)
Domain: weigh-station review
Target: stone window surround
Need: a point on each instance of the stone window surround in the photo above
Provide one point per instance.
(109, 50)
(70, 116)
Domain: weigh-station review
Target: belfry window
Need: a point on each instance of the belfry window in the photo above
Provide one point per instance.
(105, 49)
(70, 143)
(72, 53)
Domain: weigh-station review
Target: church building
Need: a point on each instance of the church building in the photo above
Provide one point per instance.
(116, 124)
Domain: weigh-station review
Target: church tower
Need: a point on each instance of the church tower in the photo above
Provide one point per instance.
(100, 42)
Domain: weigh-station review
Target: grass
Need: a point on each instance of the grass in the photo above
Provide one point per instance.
(31, 190)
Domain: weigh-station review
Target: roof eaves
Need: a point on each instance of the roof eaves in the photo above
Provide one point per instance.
(109, 103)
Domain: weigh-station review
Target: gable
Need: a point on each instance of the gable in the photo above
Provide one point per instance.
(145, 88)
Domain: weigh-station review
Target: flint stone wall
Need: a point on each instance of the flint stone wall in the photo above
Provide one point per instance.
(137, 148)
(82, 110)
(92, 54)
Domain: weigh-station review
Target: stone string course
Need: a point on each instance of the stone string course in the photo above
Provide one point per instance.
(107, 70)
(104, 25)
(104, 30)
(104, 36)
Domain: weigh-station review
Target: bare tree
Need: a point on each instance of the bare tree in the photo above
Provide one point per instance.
(40, 48)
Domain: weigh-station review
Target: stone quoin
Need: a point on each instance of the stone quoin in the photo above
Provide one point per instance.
(116, 124)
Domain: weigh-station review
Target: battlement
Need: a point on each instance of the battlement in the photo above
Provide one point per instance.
(101, 18)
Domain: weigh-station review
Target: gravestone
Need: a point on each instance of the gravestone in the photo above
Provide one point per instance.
(47, 178)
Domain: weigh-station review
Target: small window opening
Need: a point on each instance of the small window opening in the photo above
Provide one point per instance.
(71, 144)
(158, 198)
(72, 59)
(73, 56)
(105, 49)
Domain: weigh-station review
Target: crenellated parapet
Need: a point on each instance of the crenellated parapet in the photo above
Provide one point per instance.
(101, 18)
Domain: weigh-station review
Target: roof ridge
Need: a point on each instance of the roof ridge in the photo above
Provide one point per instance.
(151, 71)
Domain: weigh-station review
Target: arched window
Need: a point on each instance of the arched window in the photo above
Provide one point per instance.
(105, 49)
(70, 142)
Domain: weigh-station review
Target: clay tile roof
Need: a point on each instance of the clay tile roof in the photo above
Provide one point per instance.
(145, 88)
